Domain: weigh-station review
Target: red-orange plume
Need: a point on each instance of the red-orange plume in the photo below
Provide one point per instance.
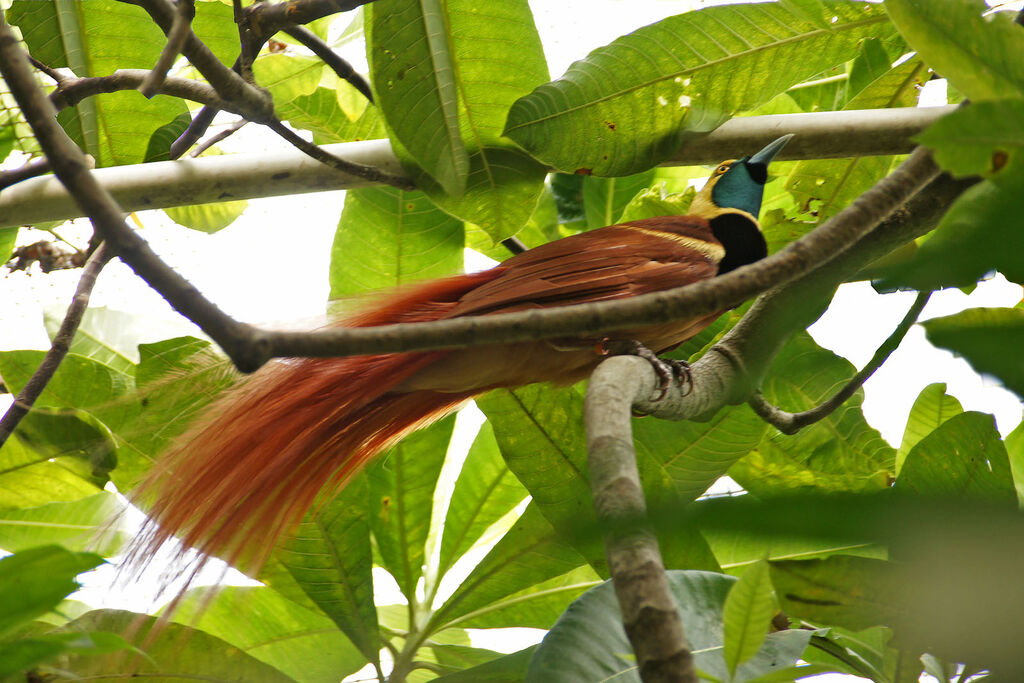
(259, 456)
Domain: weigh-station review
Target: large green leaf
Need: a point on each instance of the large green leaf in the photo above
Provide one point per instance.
(972, 238)
(989, 338)
(1015, 450)
(536, 606)
(852, 592)
(540, 432)
(301, 643)
(962, 457)
(485, 491)
(839, 453)
(531, 552)
(627, 106)
(604, 199)
(288, 76)
(932, 407)
(981, 139)
(329, 557)
(387, 237)
(412, 67)
(589, 644)
(497, 57)
(508, 669)
(35, 580)
(320, 113)
(95, 39)
(982, 56)
(85, 524)
(29, 479)
(747, 615)
(170, 652)
(402, 486)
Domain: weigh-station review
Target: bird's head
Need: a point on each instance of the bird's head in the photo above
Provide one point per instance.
(731, 202)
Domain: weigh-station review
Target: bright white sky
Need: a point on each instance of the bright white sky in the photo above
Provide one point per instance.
(288, 284)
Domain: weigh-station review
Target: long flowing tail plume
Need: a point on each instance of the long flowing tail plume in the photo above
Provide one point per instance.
(261, 454)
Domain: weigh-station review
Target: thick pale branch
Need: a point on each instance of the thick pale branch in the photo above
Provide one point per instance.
(791, 423)
(649, 611)
(247, 176)
(26, 398)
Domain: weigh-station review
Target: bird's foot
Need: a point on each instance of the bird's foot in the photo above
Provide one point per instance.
(668, 370)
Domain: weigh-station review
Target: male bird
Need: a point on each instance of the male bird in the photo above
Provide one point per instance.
(254, 464)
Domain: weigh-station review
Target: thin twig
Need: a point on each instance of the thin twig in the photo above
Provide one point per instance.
(36, 167)
(213, 140)
(791, 423)
(515, 245)
(57, 76)
(322, 50)
(200, 124)
(181, 27)
(359, 170)
(59, 348)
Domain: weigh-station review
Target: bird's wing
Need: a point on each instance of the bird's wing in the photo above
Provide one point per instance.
(608, 263)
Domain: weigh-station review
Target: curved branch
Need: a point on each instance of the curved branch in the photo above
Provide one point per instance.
(200, 124)
(31, 169)
(181, 27)
(791, 423)
(369, 173)
(322, 50)
(59, 347)
(649, 612)
(269, 18)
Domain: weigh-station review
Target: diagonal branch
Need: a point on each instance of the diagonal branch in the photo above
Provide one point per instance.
(26, 398)
(791, 423)
(322, 50)
(181, 27)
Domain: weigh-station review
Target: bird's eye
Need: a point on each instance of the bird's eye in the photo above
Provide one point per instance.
(722, 169)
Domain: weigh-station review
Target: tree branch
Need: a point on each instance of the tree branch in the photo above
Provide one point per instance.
(181, 27)
(791, 423)
(228, 84)
(247, 176)
(322, 50)
(27, 397)
(649, 612)
(31, 169)
(374, 175)
(269, 18)
(200, 124)
(213, 140)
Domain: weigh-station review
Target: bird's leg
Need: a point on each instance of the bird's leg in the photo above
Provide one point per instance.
(667, 369)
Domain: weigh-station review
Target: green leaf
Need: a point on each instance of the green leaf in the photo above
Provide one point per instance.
(932, 407)
(508, 669)
(320, 113)
(971, 239)
(402, 486)
(964, 457)
(28, 478)
(528, 554)
(485, 491)
(981, 139)
(8, 239)
(170, 652)
(627, 106)
(1015, 450)
(76, 525)
(412, 67)
(747, 615)
(604, 199)
(839, 453)
(503, 183)
(989, 338)
(79, 381)
(19, 656)
(981, 56)
(851, 592)
(301, 643)
(540, 432)
(105, 335)
(208, 218)
(536, 606)
(387, 237)
(159, 147)
(34, 581)
(656, 201)
(288, 76)
(329, 557)
(589, 644)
